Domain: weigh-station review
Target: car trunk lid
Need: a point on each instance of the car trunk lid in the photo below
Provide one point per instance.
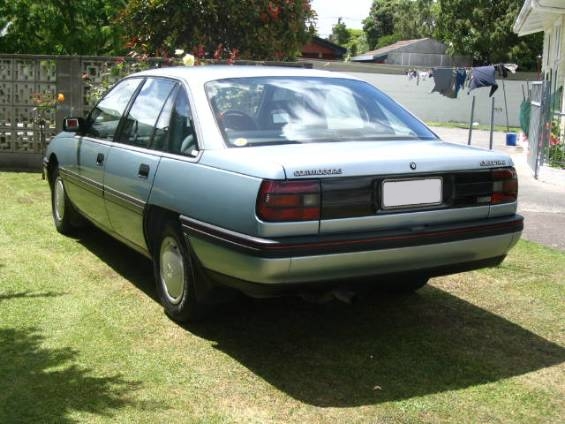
(352, 185)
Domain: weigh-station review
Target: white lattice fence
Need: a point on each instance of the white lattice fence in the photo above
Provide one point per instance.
(29, 115)
(22, 80)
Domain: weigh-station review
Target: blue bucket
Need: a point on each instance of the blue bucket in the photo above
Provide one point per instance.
(510, 139)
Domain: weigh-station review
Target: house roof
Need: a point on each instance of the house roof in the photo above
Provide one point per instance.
(337, 49)
(383, 51)
(535, 14)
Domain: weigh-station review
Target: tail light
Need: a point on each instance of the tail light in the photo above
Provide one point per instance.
(504, 186)
(289, 200)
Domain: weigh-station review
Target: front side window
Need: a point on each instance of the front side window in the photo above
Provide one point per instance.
(139, 125)
(105, 117)
(278, 110)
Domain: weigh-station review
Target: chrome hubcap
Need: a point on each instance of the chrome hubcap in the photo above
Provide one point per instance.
(59, 201)
(171, 270)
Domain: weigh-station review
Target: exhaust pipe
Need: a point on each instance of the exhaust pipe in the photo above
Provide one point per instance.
(343, 295)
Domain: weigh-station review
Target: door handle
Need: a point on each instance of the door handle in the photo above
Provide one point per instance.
(143, 171)
(100, 159)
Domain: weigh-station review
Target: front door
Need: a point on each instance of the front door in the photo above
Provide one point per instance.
(93, 149)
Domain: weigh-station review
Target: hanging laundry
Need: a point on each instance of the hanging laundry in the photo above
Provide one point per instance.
(460, 77)
(512, 67)
(502, 71)
(412, 73)
(444, 80)
(483, 76)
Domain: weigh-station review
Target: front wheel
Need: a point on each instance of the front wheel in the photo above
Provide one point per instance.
(176, 275)
(64, 214)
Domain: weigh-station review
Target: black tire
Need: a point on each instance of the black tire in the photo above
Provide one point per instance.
(406, 285)
(65, 217)
(176, 276)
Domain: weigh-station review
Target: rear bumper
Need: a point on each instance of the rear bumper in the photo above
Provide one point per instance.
(304, 260)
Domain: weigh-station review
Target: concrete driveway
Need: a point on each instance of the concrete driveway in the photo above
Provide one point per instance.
(541, 202)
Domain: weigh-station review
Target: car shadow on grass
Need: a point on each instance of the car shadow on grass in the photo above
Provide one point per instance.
(131, 265)
(41, 384)
(383, 348)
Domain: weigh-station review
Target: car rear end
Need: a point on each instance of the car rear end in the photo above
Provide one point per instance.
(321, 226)
(362, 189)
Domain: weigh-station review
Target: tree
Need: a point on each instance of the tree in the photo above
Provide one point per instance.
(393, 20)
(60, 26)
(482, 29)
(380, 21)
(357, 43)
(340, 33)
(256, 29)
(413, 19)
(353, 39)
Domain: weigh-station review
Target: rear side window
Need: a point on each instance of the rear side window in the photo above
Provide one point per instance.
(105, 117)
(140, 123)
(182, 134)
(161, 133)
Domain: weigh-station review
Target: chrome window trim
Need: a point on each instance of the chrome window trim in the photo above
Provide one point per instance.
(181, 83)
(126, 109)
(132, 101)
(145, 150)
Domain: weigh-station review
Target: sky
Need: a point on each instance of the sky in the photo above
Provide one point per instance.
(352, 12)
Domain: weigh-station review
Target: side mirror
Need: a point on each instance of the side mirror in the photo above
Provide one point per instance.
(73, 124)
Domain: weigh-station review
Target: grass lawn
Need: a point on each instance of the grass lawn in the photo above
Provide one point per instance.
(83, 339)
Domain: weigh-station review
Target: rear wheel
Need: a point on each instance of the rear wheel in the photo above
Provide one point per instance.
(65, 216)
(177, 274)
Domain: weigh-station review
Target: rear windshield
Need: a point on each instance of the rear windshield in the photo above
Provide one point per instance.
(280, 110)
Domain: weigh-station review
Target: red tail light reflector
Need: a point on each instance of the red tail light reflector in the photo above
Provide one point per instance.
(504, 186)
(280, 201)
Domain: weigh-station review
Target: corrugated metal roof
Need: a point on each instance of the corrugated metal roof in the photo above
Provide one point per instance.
(383, 51)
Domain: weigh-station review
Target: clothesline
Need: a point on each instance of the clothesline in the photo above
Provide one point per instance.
(448, 81)
(512, 67)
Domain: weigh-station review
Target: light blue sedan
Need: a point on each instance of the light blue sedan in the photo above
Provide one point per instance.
(277, 180)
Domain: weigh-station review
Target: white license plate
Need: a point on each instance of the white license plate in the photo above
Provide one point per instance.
(406, 193)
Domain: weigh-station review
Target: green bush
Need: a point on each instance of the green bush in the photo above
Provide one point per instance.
(557, 155)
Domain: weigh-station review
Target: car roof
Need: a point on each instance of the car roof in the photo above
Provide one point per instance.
(203, 74)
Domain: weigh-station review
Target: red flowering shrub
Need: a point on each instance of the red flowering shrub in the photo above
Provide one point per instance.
(253, 29)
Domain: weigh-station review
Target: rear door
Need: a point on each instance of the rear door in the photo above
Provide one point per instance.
(134, 157)
(93, 148)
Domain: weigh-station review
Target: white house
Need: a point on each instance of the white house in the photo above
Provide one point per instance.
(547, 16)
